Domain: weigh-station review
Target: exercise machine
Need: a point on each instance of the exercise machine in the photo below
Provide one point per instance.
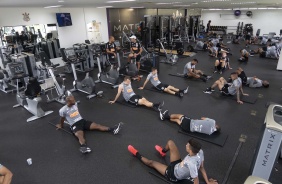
(169, 58)
(87, 85)
(269, 147)
(29, 98)
(52, 83)
(109, 77)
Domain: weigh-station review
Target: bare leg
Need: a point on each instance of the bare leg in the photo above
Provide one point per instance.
(219, 83)
(174, 153)
(95, 126)
(216, 63)
(138, 65)
(172, 88)
(80, 135)
(129, 57)
(161, 168)
(194, 75)
(176, 118)
(169, 91)
(144, 101)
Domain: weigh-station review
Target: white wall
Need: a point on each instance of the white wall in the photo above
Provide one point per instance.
(266, 20)
(67, 35)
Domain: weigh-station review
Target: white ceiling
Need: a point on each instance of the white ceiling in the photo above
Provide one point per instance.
(147, 3)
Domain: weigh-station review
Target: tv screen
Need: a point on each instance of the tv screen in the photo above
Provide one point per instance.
(64, 19)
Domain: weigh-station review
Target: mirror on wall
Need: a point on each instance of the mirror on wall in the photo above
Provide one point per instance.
(24, 34)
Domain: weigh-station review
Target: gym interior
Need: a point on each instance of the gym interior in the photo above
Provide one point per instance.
(61, 46)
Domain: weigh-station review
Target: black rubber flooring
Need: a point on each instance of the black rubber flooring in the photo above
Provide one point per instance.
(57, 160)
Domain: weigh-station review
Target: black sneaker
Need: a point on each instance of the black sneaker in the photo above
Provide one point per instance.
(208, 77)
(215, 71)
(185, 91)
(208, 91)
(180, 94)
(117, 128)
(84, 149)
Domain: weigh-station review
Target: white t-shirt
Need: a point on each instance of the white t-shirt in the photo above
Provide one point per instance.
(189, 166)
(187, 67)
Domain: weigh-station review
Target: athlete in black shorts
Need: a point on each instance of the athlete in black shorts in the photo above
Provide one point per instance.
(78, 125)
(136, 50)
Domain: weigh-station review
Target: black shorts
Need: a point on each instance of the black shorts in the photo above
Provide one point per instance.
(219, 67)
(138, 57)
(225, 91)
(205, 47)
(169, 172)
(112, 58)
(161, 86)
(218, 45)
(264, 48)
(185, 124)
(81, 125)
(248, 37)
(134, 99)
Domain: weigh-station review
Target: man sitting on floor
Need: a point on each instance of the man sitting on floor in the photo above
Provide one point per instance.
(128, 94)
(190, 71)
(154, 79)
(178, 169)
(228, 89)
(252, 82)
(78, 125)
(5, 175)
(201, 45)
(244, 55)
(221, 64)
(204, 125)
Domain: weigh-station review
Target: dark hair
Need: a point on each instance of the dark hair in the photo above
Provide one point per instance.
(209, 20)
(196, 60)
(218, 128)
(265, 84)
(194, 145)
(125, 78)
(153, 69)
(234, 73)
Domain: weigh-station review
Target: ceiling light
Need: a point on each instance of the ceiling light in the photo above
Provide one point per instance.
(194, 3)
(209, 1)
(61, 1)
(181, 5)
(244, 3)
(163, 3)
(105, 7)
(262, 8)
(121, 1)
(137, 7)
(54, 6)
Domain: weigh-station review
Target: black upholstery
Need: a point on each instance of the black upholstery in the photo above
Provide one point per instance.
(33, 88)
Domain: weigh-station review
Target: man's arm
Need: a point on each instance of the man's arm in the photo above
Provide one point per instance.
(141, 50)
(117, 96)
(7, 175)
(204, 174)
(146, 81)
(61, 124)
(196, 180)
(238, 96)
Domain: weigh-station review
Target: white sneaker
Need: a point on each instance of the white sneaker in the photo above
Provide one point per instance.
(186, 90)
(118, 128)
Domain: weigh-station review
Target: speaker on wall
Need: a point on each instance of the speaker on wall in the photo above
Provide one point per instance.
(249, 13)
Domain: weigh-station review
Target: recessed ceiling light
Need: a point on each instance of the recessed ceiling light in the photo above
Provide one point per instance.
(55, 6)
(61, 1)
(121, 1)
(105, 7)
(137, 7)
(182, 5)
(244, 3)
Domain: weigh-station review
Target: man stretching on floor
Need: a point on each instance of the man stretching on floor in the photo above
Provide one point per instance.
(252, 82)
(154, 79)
(228, 89)
(78, 125)
(204, 125)
(128, 94)
(190, 71)
(5, 175)
(178, 169)
(221, 64)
